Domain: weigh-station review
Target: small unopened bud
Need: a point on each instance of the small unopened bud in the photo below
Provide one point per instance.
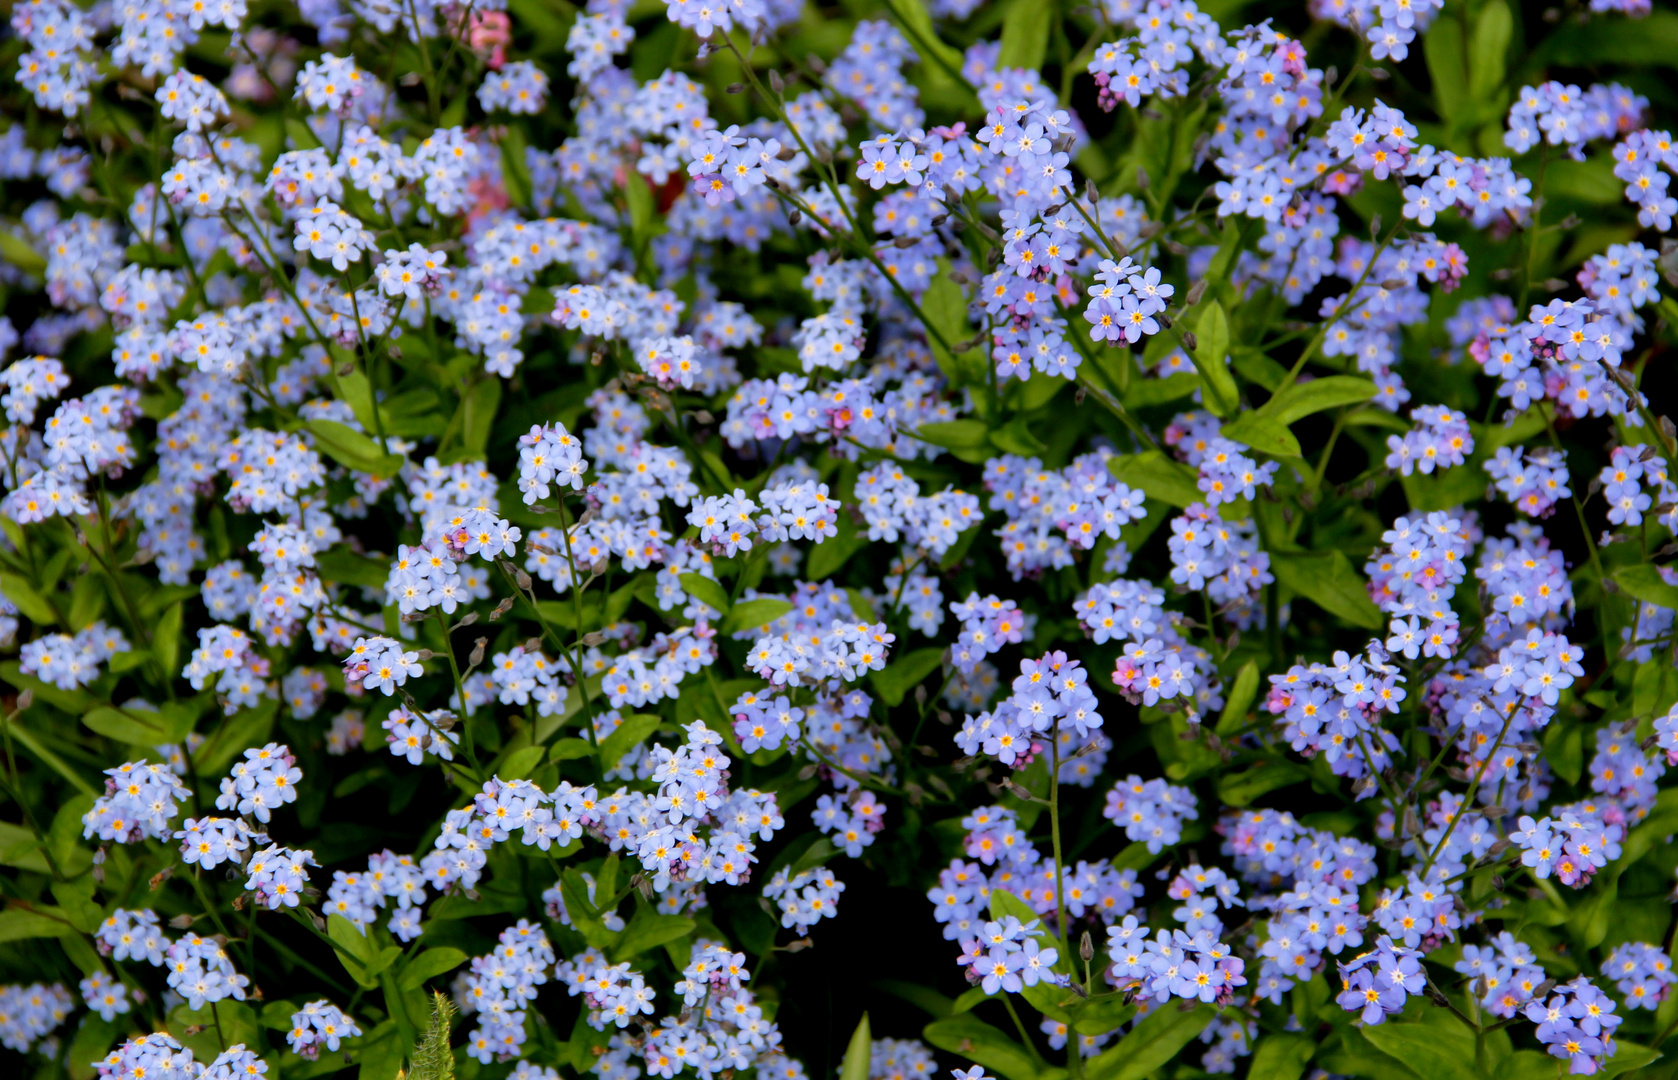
(906, 241)
(920, 694)
(1086, 947)
(775, 83)
(1142, 181)
(477, 655)
(467, 619)
(736, 88)
(593, 638)
(798, 946)
(501, 609)
(25, 699)
(423, 654)
(794, 217)
(348, 367)
(161, 876)
(1196, 291)
(1090, 192)
(1191, 340)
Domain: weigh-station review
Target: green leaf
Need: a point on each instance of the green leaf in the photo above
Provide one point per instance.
(860, 1051)
(630, 733)
(18, 924)
(70, 701)
(1564, 749)
(977, 1041)
(1432, 1050)
(1015, 437)
(1240, 789)
(140, 727)
(1025, 36)
(1618, 42)
(917, 24)
(896, 679)
(352, 449)
(584, 915)
(93, 1040)
(1447, 67)
(233, 735)
(754, 614)
(957, 436)
(1526, 1065)
(638, 193)
(1102, 1014)
(1154, 1041)
(1327, 579)
(233, 1020)
(515, 171)
(832, 553)
(1261, 433)
(15, 251)
(1629, 1056)
(570, 750)
(1644, 582)
(1148, 390)
(480, 405)
(1211, 359)
(428, 965)
(166, 639)
(354, 389)
(519, 764)
(345, 567)
(945, 308)
(648, 931)
(1239, 699)
(1280, 1056)
(1305, 398)
(30, 604)
(1158, 476)
(87, 603)
(924, 998)
(1489, 50)
(1445, 488)
(706, 591)
(128, 661)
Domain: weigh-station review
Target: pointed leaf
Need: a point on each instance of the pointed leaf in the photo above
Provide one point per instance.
(977, 1041)
(706, 591)
(861, 1049)
(1327, 579)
